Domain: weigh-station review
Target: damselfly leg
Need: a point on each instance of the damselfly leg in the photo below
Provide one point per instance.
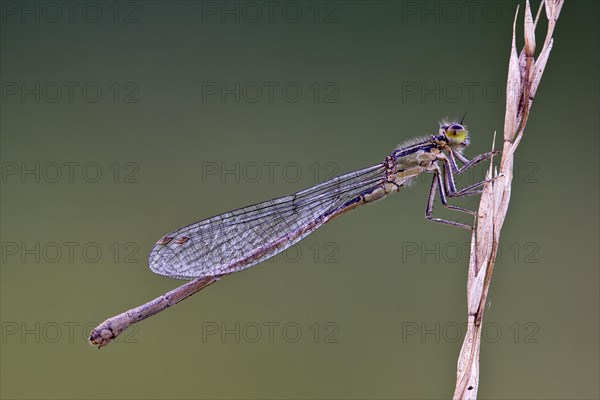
(444, 182)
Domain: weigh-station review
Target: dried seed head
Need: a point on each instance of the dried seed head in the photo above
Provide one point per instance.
(529, 31)
(513, 88)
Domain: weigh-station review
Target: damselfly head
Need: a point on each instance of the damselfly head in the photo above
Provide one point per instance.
(456, 133)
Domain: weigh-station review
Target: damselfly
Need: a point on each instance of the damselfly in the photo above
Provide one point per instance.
(212, 248)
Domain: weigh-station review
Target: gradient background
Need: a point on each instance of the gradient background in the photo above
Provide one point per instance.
(379, 295)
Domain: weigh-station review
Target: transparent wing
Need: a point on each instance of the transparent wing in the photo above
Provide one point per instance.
(244, 237)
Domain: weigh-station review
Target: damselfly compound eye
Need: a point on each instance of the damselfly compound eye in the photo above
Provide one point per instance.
(456, 134)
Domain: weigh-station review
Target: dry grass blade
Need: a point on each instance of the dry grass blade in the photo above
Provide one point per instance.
(524, 75)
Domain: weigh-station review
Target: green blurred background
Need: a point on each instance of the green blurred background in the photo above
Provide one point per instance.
(123, 121)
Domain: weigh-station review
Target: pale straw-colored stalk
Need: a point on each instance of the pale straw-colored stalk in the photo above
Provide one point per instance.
(524, 75)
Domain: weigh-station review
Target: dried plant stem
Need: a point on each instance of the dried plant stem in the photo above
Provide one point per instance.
(524, 74)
